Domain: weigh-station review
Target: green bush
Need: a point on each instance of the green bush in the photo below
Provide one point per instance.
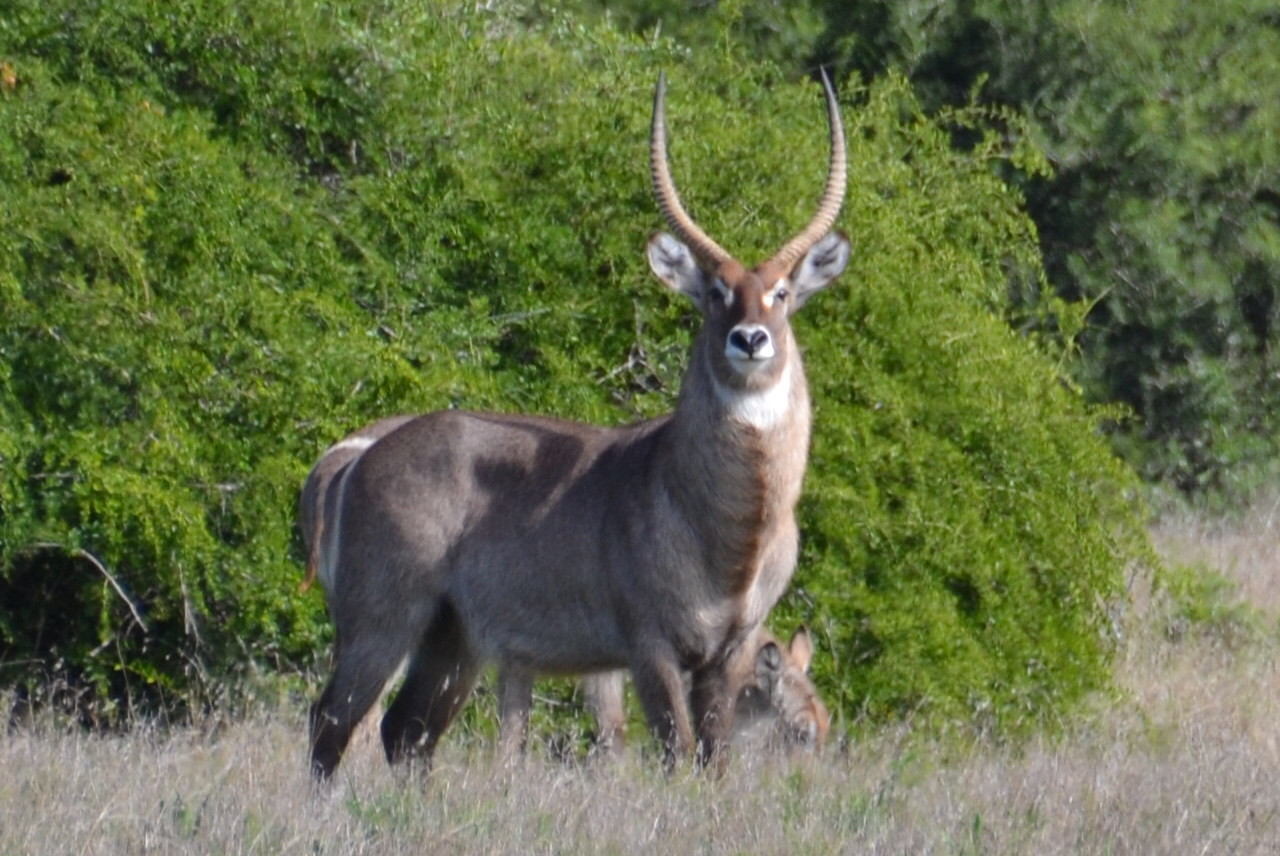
(1163, 210)
(231, 238)
(175, 346)
(1199, 602)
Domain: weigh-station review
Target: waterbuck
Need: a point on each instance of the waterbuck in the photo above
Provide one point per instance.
(548, 546)
(777, 707)
(777, 704)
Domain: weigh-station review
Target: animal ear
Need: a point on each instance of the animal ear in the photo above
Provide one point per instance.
(672, 263)
(768, 667)
(801, 648)
(823, 263)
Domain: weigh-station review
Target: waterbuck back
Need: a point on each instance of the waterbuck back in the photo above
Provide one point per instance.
(554, 547)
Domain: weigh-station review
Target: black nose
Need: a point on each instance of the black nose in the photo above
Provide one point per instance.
(749, 341)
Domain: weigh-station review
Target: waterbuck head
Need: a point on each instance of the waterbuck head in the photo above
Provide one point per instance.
(783, 698)
(747, 331)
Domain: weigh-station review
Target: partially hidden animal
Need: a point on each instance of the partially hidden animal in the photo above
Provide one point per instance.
(777, 709)
(547, 546)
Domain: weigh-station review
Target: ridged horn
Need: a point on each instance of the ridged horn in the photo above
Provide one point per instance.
(699, 243)
(832, 196)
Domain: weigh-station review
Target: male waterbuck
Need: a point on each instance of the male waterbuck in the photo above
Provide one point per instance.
(548, 546)
(777, 705)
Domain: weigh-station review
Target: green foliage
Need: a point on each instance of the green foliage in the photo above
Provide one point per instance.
(1203, 603)
(229, 238)
(778, 33)
(1162, 211)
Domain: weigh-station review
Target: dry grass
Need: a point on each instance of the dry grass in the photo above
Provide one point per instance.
(1188, 763)
(1246, 549)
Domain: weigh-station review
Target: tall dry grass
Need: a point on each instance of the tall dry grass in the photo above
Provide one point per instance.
(1187, 761)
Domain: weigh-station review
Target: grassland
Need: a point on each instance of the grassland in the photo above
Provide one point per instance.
(1186, 761)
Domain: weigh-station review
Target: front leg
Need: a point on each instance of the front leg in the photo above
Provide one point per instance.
(713, 695)
(661, 691)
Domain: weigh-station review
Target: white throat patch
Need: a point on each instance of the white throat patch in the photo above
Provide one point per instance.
(763, 409)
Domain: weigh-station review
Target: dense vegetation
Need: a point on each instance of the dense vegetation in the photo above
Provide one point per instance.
(230, 235)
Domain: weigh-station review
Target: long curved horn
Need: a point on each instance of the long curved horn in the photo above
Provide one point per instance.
(699, 243)
(832, 196)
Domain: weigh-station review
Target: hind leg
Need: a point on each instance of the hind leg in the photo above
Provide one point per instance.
(363, 668)
(441, 674)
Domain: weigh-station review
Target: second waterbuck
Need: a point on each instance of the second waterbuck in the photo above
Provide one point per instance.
(552, 547)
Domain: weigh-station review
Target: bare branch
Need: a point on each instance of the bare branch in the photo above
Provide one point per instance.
(80, 553)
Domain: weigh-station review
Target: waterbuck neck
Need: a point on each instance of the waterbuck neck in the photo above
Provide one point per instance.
(737, 459)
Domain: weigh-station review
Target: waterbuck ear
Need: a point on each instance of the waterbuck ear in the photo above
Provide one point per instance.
(672, 263)
(801, 648)
(823, 263)
(768, 666)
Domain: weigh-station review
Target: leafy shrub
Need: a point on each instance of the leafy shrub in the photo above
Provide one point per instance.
(960, 504)
(171, 303)
(1163, 211)
(233, 238)
(1199, 602)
